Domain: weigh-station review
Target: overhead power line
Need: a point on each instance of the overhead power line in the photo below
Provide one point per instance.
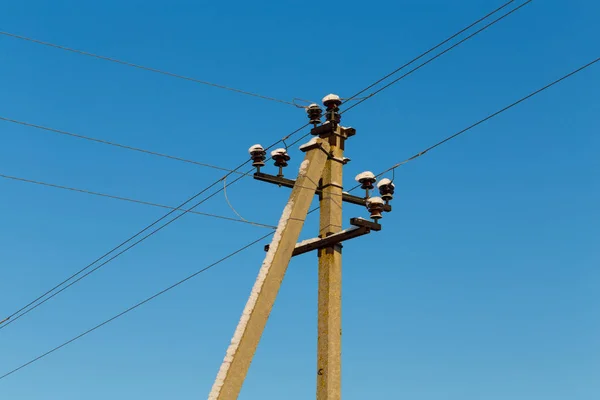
(438, 55)
(49, 294)
(122, 146)
(428, 51)
(52, 185)
(136, 306)
(102, 141)
(265, 236)
(66, 343)
(145, 68)
(230, 183)
(481, 121)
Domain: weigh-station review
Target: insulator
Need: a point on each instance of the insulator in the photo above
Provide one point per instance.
(315, 114)
(386, 189)
(366, 180)
(258, 156)
(332, 103)
(375, 207)
(333, 116)
(281, 157)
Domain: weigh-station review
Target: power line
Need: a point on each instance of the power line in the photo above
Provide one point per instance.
(354, 96)
(428, 51)
(145, 68)
(136, 306)
(122, 146)
(363, 99)
(288, 136)
(229, 173)
(52, 185)
(437, 56)
(481, 121)
(34, 303)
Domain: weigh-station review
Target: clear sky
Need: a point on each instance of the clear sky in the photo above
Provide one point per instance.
(483, 283)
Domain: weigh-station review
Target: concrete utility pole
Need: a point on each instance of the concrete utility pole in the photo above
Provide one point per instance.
(320, 173)
(329, 341)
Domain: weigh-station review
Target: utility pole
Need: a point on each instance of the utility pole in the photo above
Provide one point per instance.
(329, 324)
(321, 174)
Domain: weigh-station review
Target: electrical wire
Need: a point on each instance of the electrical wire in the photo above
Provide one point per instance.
(490, 116)
(426, 52)
(52, 185)
(437, 56)
(230, 172)
(136, 305)
(145, 68)
(265, 236)
(363, 99)
(301, 138)
(52, 292)
(428, 61)
(122, 146)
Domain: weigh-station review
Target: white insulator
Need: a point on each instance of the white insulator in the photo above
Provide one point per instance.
(385, 182)
(256, 147)
(278, 152)
(364, 175)
(375, 200)
(331, 97)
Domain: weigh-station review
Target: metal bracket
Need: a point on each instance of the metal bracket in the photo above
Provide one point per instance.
(289, 183)
(360, 227)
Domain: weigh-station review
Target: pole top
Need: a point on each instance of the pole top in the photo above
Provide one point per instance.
(332, 100)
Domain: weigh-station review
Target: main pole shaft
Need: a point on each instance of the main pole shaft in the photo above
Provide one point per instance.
(330, 276)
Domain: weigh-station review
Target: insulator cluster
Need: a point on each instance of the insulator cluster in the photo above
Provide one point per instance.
(258, 155)
(376, 204)
(315, 113)
(281, 157)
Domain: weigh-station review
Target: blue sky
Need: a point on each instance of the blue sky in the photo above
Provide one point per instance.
(482, 284)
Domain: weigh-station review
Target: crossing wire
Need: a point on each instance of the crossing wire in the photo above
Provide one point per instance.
(267, 235)
(428, 51)
(132, 148)
(51, 293)
(110, 196)
(283, 139)
(363, 99)
(232, 171)
(145, 68)
(438, 55)
(487, 118)
(137, 305)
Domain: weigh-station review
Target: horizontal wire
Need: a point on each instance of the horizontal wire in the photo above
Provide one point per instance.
(122, 146)
(437, 56)
(427, 52)
(114, 60)
(136, 305)
(52, 185)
